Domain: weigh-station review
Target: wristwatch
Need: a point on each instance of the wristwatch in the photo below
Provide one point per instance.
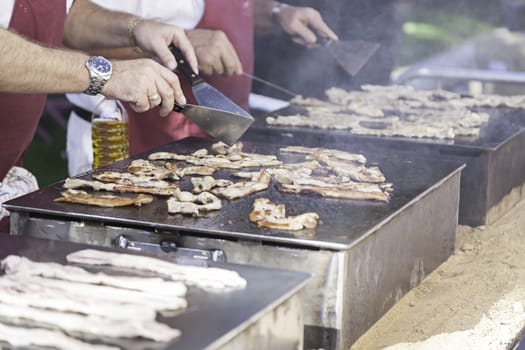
(100, 70)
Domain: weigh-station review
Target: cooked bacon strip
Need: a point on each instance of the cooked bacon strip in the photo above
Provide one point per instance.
(222, 148)
(355, 172)
(82, 197)
(195, 170)
(244, 188)
(14, 264)
(356, 191)
(184, 202)
(267, 214)
(230, 158)
(203, 152)
(292, 223)
(168, 156)
(143, 167)
(132, 180)
(89, 325)
(204, 277)
(25, 337)
(206, 183)
(158, 188)
(359, 158)
(263, 207)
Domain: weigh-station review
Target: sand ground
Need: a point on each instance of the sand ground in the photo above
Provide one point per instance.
(474, 300)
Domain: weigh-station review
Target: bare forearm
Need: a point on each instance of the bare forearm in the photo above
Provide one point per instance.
(88, 26)
(30, 68)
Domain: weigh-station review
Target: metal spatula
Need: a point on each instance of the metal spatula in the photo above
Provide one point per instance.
(351, 55)
(223, 118)
(206, 94)
(223, 125)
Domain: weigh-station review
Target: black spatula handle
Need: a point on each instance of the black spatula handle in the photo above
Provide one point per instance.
(184, 68)
(323, 40)
(177, 107)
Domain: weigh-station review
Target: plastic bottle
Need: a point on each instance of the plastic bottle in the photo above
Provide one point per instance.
(109, 133)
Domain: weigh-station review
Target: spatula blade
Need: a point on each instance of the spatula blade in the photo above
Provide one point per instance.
(222, 125)
(352, 55)
(209, 96)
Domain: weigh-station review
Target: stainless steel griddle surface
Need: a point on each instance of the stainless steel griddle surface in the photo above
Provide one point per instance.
(210, 318)
(344, 222)
(503, 124)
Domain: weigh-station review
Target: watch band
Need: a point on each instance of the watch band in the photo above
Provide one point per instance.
(95, 86)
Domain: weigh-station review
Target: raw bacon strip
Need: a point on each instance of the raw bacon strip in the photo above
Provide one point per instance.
(21, 292)
(153, 188)
(115, 295)
(82, 197)
(89, 325)
(14, 264)
(204, 277)
(22, 336)
(267, 214)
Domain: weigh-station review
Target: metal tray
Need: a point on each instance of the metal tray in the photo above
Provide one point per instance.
(495, 161)
(244, 318)
(344, 222)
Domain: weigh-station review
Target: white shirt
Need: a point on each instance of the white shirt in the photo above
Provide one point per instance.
(184, 13)
(6, 10)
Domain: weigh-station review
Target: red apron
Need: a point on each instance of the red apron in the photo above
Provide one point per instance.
(42, 21)
(235, 18)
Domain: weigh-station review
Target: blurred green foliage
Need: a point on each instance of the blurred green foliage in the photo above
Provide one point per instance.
(434, 26)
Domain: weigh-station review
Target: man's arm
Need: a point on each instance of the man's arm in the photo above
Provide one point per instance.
(89, 26)
(26, 67)
(30, 68)
(303, 24)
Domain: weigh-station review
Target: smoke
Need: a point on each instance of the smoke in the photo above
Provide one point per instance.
(311, 71)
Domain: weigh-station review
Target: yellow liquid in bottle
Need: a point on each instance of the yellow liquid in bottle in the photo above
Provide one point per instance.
(110, 141)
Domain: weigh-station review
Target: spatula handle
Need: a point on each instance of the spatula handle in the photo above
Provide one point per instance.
(177, 107)
(184, 68)
(323, 40)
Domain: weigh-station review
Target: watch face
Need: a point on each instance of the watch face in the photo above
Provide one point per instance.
(100, 64)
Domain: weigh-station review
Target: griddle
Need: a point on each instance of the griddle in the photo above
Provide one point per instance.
(211, 319)
(495, 161)
(344, 222)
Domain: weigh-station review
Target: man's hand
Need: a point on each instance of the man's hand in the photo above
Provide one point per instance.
(302, 24)
(145, 84)
(215, 53)
(156, 37)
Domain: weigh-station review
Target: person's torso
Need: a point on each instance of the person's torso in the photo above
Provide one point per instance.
(42, 21)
